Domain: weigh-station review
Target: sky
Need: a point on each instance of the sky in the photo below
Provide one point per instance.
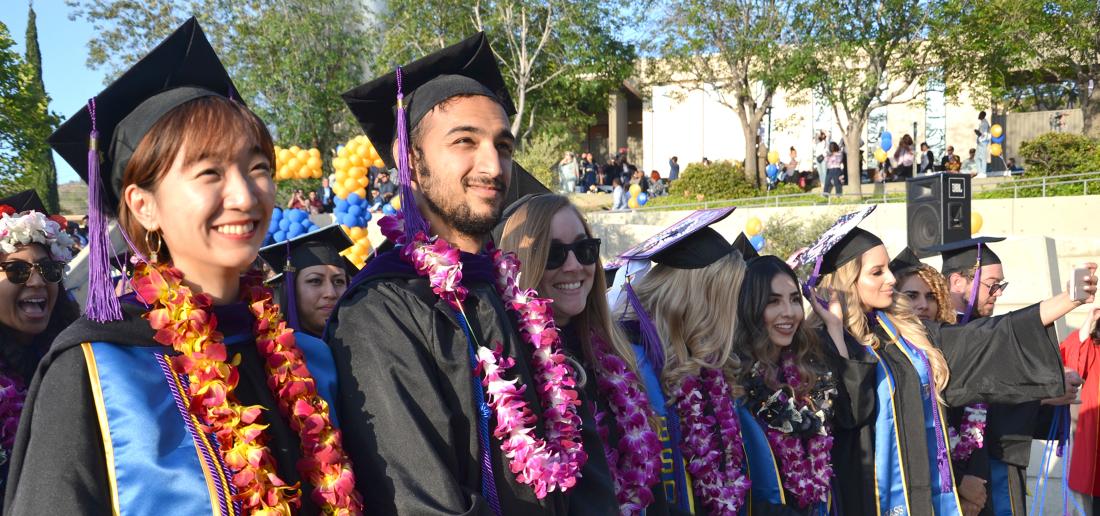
(64, 45)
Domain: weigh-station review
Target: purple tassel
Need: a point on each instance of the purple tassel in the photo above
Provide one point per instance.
(974, 289)
(414, 222)
(102, 305)
(651, 340)
(291, 296)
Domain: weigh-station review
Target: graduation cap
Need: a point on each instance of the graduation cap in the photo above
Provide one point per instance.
(387, 107)
(961, 255)
(748, 251)
(906, 259)
(964, 254)
(688, 244)
(511, 209)
(320, 247)
(843, 242)
(26, 200)
(99, 140)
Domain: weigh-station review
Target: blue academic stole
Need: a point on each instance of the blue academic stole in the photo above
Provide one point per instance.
(675, 480)
(767, 484)
(891, 491)
(157, 456)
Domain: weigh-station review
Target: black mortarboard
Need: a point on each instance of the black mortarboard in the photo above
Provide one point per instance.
(99, 140)
(687, 244)
(843, 242)
(181, 68)
(748, 251)
(963, 254)
(26, 200)
(321, 247)
(465, 68)
(511, 209)
(906, 259)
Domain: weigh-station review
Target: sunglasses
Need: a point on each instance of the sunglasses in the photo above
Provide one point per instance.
(586, 251)
(996, 287)
(19, 271)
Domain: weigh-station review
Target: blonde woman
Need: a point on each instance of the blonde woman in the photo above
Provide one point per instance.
(891, 452)
(681, 318)
(561, 260)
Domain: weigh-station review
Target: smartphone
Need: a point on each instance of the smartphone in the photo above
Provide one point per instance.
(1077, 285)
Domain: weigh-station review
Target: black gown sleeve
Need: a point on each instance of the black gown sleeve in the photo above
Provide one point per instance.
(63, 468)
(1011, 358)
(855, 403)
(395, 420)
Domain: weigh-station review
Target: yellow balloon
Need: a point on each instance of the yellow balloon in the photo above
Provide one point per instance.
(363, 181)
(773, 157)
(342, 152)
(293, 164)
(357, 172)
(633, 203)
(880, 155)
(314, 163)
(294, 150)
(975, 222)
(283, 155)
(356, 233)
(283, 174)
(341, 175)
(361, 192)
(304, 173)
(355, 160)
(995, 149)
(996, 130)
(396, 202)
(635, 189)
(340, 164)
(363, 151)
(351, 184)
(753, 227)
(339, 190)
(314, 152)
(378, 163)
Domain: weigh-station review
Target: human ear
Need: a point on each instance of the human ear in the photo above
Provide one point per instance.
(143, 206)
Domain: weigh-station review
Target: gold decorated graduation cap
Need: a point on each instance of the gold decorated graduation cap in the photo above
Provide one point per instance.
(99, 140)
(688, 244)
(905, 260)
(388, 107)
(321, 247)
(962, 255)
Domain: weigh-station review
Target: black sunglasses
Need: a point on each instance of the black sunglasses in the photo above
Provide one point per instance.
(586, 251)
(19, 271)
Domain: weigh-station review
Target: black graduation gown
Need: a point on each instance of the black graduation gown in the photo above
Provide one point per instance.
(58, 464)
(407, 405)
(1011, 358)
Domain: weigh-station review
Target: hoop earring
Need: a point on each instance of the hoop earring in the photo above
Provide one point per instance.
(149, 246)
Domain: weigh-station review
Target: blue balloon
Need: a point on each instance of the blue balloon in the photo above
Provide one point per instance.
(276, 214)
(279, 236)
(294, 215)
(388, 209)
(312, 227)
(341, 204)
(772, 170)
(284, 224)
(999, 139)
(348, 219)
(886, 141)
(354, 198)
(366, 217)
(294, 231)
(354, 210)
(643, 198)
(757, 241)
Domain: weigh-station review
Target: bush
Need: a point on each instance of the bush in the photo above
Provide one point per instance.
(1061, 153)
(717, 181)
(784, 234)
(540, 155)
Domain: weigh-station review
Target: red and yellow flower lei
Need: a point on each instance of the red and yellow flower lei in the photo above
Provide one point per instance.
(184, 321)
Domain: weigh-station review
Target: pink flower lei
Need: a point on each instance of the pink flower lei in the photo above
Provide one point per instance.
(971, 433)
(546, 464)
(712, 442)
(804, 463)
(635, 461)
(12, 396)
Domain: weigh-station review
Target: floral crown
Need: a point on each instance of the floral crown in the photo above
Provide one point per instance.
(33, 227)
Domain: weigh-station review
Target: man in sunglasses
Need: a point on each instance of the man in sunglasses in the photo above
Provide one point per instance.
(976, 279)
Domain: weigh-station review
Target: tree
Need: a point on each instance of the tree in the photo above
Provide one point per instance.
(743, 50)
(869, 54)
(1032, 45)
(560, 58)
(40, 165)
(290, 59)
(19, 115)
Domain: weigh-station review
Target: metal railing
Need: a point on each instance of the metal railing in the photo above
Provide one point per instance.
(814, 197)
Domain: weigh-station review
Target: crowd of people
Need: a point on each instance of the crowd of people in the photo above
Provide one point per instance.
(584, 174)
(323, 200)
(479, 363)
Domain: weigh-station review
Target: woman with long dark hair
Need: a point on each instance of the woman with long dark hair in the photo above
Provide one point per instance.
(787, 411)
(189, 395)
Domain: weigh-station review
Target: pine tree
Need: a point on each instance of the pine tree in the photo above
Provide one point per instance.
(40, 163)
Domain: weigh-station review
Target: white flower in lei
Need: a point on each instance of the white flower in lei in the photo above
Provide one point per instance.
(32, 227)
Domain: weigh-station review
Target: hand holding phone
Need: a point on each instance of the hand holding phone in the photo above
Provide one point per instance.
(1081, 276)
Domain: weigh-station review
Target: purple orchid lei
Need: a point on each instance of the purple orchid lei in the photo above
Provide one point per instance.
(712, 443)
(546, 464)
(12, 396)
(804, 466)
(971, 433)
(635, 462)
